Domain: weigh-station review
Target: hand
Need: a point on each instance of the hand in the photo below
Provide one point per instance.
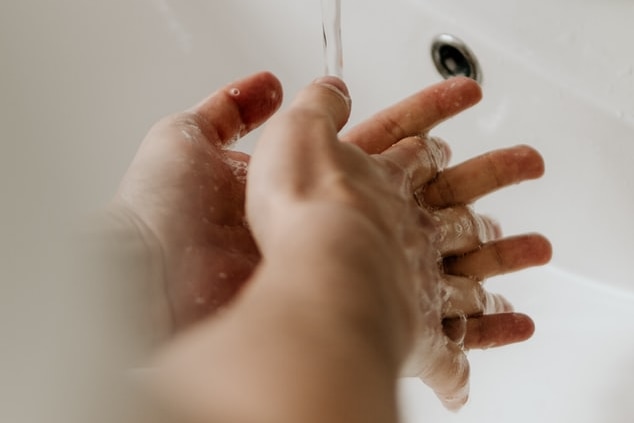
(185, 189)
(301, 165)
(379, 226)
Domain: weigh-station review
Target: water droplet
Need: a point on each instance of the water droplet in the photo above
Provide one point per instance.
(234, 92)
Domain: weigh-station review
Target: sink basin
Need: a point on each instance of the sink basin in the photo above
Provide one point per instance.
(557, 75)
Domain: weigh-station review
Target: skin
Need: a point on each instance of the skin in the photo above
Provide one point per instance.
(185, 192)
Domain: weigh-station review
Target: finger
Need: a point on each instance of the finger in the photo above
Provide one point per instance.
(490, 331)
(448, 375)
(301, 142)
(238, 108)
(466, 297)
(315, 116)
(328, 96)
(415, 115)
(501, 257)
(421, 158)
(460, 230)
(466, 182)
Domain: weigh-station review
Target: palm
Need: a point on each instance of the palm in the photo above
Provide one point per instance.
(212, 250)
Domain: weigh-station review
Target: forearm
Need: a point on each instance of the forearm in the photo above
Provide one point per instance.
(307, 341)
(102, 320)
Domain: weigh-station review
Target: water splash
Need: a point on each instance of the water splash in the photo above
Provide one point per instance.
(333, 49)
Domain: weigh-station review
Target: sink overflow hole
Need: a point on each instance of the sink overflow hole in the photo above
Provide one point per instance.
(452, 57)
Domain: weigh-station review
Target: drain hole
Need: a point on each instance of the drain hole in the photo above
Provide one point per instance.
(452, 58)
(454, 62)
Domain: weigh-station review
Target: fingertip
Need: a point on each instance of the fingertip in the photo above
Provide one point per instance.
(240, 106)
(524, 326)
(546, 248)
(517, 327)
(471, 87)
(339, 88)
(530, 326)
(334, 83)
(327, 96)
(256, 96)
(457, 94)
(538, 248)
(455, 404)
(459, 394)
(451, 381)
(531, 161)
(498, 330)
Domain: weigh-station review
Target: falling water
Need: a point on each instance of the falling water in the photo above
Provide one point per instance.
(331, 24)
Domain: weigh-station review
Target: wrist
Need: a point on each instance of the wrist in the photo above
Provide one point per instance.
(134, 261)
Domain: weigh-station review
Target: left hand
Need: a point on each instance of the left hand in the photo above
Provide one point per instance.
(186, 189)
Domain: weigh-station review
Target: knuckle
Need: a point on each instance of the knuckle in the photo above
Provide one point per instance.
(392, 127)
(438, 152)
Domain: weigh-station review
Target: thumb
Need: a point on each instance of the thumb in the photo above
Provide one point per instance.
(239, 107)
(328, 98)
(294, 147)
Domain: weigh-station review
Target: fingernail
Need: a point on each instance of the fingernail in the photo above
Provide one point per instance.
(336, 85)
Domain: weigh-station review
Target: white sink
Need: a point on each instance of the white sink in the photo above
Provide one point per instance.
(557, 75)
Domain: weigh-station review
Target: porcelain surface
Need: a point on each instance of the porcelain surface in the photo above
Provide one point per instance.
(83, 81)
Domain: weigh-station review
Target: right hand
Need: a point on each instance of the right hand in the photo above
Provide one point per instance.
(313, 168)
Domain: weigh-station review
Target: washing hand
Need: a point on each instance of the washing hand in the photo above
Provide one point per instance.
(186, 189)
